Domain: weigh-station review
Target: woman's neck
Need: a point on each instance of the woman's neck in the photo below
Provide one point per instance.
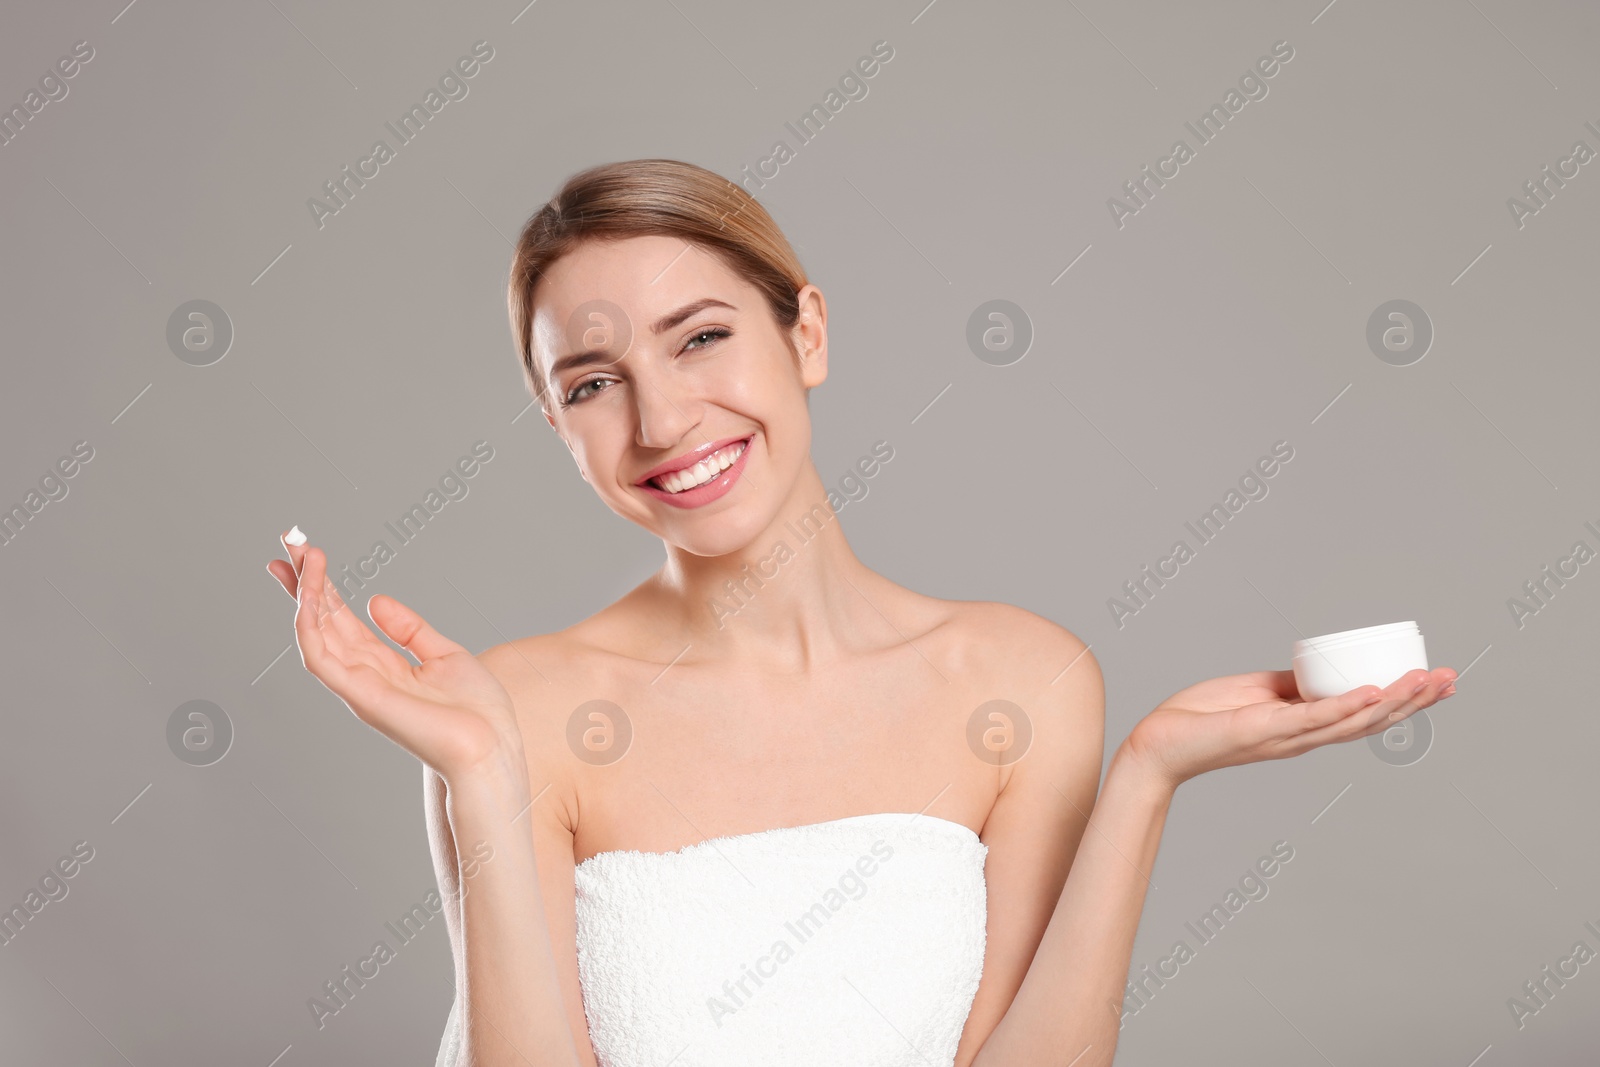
(795, 598)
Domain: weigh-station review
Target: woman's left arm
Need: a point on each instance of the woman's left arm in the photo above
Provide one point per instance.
(1067, 1007)
(1069, 1003)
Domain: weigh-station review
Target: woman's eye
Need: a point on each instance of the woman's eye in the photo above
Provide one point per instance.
(578, 391)
(707, 337)
(714, 332)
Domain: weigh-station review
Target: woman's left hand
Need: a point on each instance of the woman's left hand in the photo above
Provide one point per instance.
(1246, 718)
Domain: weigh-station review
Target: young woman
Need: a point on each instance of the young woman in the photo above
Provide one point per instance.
(769, 807)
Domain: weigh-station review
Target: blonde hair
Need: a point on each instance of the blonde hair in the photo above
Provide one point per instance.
(640, 197)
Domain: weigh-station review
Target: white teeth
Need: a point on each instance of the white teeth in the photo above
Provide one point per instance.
(701, 472)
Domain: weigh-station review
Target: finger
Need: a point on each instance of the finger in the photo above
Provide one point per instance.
(308, 632)
(328, 628)
(1284, 685)
(319, 607)
(1368, 718)
(357, 685)
(295, 544)
(1314, 715)
(347, 635)
(408, 629)
(1331, 711)
(1417, 689)
(1409, 694)
(283, 571)
(1438, 685)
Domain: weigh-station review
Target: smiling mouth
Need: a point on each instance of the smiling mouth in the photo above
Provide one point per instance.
(681, 480)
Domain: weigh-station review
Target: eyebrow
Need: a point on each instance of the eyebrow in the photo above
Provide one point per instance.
(661, 325)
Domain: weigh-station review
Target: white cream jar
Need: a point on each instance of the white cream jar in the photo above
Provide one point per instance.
(1372, 655)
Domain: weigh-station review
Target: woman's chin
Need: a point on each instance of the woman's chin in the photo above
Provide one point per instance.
(721, 535)
(720, 543)
(711, 531)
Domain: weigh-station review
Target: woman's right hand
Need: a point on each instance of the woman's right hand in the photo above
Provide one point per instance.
(446, 709)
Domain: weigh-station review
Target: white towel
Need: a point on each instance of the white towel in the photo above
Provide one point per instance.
(857, 941)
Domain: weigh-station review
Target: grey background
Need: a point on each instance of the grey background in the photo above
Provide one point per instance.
(1228, 314)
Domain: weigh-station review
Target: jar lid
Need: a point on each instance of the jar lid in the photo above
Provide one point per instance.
(1359, 636)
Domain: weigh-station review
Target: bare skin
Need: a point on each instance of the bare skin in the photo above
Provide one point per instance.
(832, 692)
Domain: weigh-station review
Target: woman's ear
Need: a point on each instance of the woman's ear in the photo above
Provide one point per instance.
(810, 336)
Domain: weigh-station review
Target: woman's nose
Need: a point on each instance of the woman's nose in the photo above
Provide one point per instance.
(663, 418)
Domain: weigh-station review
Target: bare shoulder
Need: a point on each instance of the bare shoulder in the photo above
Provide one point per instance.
(1010, 624)
(1057, 684)
(544, 668)
(1036, 653)
(527, 664)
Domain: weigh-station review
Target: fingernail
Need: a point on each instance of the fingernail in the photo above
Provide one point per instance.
(294, 537)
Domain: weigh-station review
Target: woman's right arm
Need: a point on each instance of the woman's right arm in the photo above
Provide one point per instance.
(510, 1004)
(452, 713)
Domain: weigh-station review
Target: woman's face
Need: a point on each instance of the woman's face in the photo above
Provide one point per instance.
(657, 354)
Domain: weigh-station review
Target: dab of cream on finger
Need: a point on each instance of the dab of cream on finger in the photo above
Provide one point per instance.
(294, 537)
